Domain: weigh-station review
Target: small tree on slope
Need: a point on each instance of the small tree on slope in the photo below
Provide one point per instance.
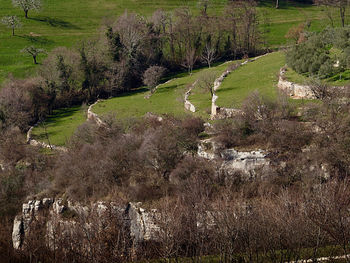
(33, 51)
(27, 5)
(11, 22)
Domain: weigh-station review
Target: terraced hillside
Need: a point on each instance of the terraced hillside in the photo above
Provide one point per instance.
(64, 23)
(259, 75)
(168, 99)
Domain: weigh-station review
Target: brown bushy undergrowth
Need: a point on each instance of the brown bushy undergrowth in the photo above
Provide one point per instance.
(300, 201)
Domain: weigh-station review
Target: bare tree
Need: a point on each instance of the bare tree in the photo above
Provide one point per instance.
(152, 76)
(320, 89)
(169, 235)
(342, 5)
(27, 5)
(131, 30)
(328, 208)
(188, 35)
(296, 33)
(33, 51)
(209, 53)
(242, 26)
(206, 81)
(11, 22)
(190, 59)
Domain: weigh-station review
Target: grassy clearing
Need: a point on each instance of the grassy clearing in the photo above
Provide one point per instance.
(260, 75)
(168, 99)
(60, 126)
(65, 22)
(295, 77)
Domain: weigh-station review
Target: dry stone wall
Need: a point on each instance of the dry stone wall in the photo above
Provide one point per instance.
(91, 116)
(222, 112)
(37, 143)
(294, 90)
(188, 105)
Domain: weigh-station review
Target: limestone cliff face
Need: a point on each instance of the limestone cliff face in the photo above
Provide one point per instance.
(233, 160)
(56, 216)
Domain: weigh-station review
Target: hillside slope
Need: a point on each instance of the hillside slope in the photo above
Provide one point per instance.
(64, 23)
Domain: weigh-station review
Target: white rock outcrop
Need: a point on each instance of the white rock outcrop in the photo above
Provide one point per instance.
(245, 162)
(143, 225)
(188, 105)
(51, 214)
(233, 160)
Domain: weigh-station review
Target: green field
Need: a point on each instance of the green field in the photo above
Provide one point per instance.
(66, 22)
(260, 75)
(60, 127)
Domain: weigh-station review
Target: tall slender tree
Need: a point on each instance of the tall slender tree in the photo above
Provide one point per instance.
(342, 5)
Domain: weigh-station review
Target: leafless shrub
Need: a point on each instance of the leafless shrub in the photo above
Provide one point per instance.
(152, 76)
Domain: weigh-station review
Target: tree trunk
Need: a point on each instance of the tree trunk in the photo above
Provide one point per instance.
(277, 4)
(34, 58)
(342, 16)
(13, 31)
(26, 13)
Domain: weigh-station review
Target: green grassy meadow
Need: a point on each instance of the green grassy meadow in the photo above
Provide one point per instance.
(60, 126)
(66, 22)
(260, 75)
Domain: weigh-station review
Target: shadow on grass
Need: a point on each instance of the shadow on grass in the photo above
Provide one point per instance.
(55, 22)
(283, 4)
(167, 88)
(61, 113)
(132, 92)
(37, 40)
(344, 77)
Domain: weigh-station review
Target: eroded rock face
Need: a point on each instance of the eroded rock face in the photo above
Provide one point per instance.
(246, 162)
(233, 160)
(67, 219)
(142, 223)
